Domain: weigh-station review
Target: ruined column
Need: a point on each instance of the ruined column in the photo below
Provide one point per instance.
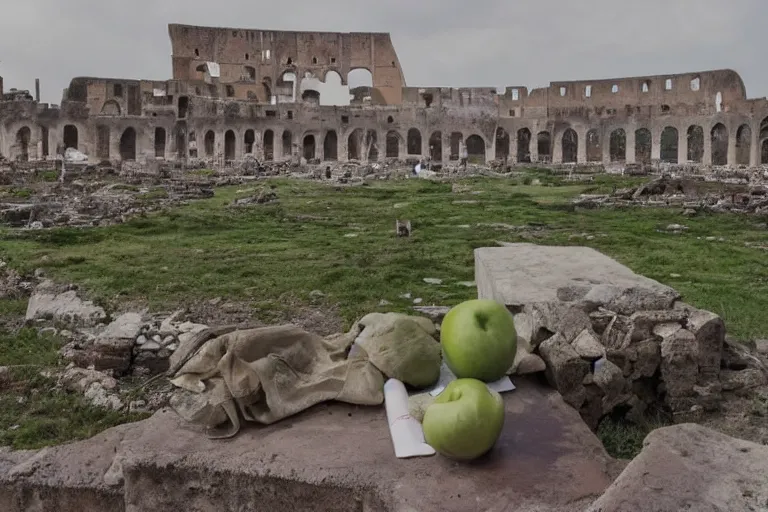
(581, 149)
(605, 147)
(707, 158)
(37, 90)
(682, 146)
(732, 147)
(631, 142)
(656, 146)
(754, 147)
(446, 147)
(513, 149)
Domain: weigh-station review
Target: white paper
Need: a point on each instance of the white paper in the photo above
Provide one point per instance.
(502, 385)
(407, 434)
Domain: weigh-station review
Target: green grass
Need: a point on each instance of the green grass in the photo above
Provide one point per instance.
(276, 254)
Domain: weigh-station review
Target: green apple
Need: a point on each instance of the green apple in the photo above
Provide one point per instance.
(479, 340)
(465, 420)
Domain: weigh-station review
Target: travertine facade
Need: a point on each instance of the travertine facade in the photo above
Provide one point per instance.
(236, 92)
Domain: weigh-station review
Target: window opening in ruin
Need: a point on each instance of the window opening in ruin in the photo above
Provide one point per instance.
(570, 146)
(353, 144)
(70, 137)
(23, 137)
(118, 90)
(524, 145)
(588, 91)
(414, 142)
(102, 142)
(618, 146)
(614, 88)
(44, 137)
(512, 113)
(669, 145)
(289, 114)
(287, 143)
(134, 100)
(229, 145)
(695, 140)
(696, 84)
(719, 137)
(309, 147)
(128, 145)
(310, 96)
(247, 57)
(271, 113)
(197, 91)
(643, 143)
(269, 145)
(230, 91)
(646, 86)
(314, 60)
(360, 82)
(743, 145)
(210, 143)
(544, 146)
(393, 145)
(390, 119)
(345, 119)
(372, 143)
(159, 142)
(249, 73)
(234, 33)
(515, 94)
(249, 139)
(181, 142)
(333, 60)
(665, 109)
(456, 139)
(719, 102)
(502, 144)
(289, 62)
(668, 84)
(268, 54)
(563, 91)
(436, 146)
(331, 146)
(594, 151)
(197, 52)
(475, 149)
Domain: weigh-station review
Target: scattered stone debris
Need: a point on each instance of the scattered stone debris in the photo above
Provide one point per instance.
(402, 228)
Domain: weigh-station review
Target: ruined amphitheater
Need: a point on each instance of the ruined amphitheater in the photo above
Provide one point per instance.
(270, 95)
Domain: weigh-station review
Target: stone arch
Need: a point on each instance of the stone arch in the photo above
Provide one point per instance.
(209, 143)
(372, 143)
(269, 145)
(544, 144)
(286, 143)
(160, 137)
(669, 145)
(502, 144)
(436, 146)
(414, 141)
(23, 138)
(311, 96)
(229, 145)
(359, 77)
(695, 143)
(475, 149)
(110, 108)
(354, 142)
(570, 146)
(308, 147)
(393, 144)
(743, 144)
(128, 144)
(618, 145)
(594, 151)
(719, 135)
(331, 146)
(456, 138)
(70, 136)
(643, 144)
(524, 145)
(249, 139)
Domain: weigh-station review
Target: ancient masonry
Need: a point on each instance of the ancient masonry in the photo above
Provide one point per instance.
(238, 92)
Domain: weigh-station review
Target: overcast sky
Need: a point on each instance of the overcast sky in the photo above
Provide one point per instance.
(440, 42)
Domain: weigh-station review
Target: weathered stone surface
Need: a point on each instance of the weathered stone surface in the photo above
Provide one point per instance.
(743, 379)
(545, 320)
(679, 363)
(610, 379)
(435, 313)
(617, 333)
(565, 369)
(644, 322)
(333, 457)
(709, 330)
(66, 307)
(587, 346)
(572, 323)
(646, 358)
(126, 326)
(689, 467)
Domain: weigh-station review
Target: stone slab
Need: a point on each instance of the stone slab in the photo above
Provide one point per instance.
(333, 457)
(522, 273)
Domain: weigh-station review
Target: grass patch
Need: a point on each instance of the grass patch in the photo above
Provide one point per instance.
(206, 173)
(623, 440)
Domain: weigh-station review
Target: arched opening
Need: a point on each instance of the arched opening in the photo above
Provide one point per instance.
(618, 145)
(360, 82)
(436, 146)
(594, 151)
(229, 145)
(764, 152)
(286, 87)
(269, 145)
(524, 145)
(286, 142)
(110, 108)
(331, 146)
(102, 142)
(128, 144)
(311, 96)
(249, 139)
(393, 145)
(414, 142)
(23, 136)
(544, 145)
(695, 144)
(183, 106)
(159, 142)
(475, 149)
(570, 145)
(309, 147)
(719, 102)
(371, 142)
(502, 144)
(669, 145)
(456, 138)
(209, 143)
(719, 136)
(44, 140)
(70, 136)
(353, 144)
(249, 74)
(743, 144)
(643, 143)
